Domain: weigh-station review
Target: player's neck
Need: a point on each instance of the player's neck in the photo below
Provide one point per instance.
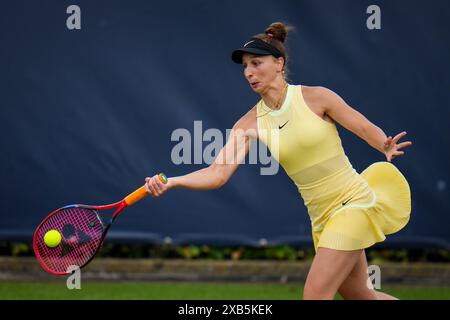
(275, 94)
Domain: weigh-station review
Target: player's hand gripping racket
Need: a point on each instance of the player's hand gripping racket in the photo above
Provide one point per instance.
(72, 235)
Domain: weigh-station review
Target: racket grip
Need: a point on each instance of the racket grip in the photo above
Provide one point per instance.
(162, 177)
(141, 193)
(135, 196)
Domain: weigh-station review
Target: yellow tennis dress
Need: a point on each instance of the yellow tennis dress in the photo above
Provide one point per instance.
(348, 211)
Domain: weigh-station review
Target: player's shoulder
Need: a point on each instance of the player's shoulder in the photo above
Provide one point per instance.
(316, 91)
(318, 94)
(248, 117)
(247, 122)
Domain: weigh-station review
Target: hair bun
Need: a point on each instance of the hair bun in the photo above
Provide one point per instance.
(277, 30)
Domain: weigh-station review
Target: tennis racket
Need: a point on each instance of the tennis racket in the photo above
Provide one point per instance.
(83, 229)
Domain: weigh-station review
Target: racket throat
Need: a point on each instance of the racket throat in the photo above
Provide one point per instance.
(122, 205)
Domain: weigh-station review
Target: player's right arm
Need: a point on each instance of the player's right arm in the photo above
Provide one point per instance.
(219, 172)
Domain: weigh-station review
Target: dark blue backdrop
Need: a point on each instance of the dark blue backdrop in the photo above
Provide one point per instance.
(87, 114)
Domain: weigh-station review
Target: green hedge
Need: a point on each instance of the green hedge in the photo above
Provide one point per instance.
(282, 252)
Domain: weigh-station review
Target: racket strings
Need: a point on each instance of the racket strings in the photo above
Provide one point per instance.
(82, 234)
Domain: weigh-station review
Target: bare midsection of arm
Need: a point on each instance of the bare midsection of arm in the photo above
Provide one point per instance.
(223, 167)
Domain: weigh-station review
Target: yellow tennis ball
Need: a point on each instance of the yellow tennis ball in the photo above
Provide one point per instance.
(52, 238)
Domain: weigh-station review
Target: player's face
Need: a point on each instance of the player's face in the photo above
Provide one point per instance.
(261, 71)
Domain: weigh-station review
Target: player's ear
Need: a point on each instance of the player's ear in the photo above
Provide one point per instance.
(280, 63)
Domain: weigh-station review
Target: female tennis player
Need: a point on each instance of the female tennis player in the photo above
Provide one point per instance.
(349, 211)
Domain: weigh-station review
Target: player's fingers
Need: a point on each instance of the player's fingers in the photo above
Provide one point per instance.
(146, 187)
(151, 188)
(388, 157)
(161, 187)
(147, 179)
(155, 184)
(397, 137)
(388, 141)
(404, 144)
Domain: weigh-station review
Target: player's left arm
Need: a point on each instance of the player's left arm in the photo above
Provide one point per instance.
(337, 109)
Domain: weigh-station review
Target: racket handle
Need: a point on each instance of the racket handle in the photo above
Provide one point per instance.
(141, 193)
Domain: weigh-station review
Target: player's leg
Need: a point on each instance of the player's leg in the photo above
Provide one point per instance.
(357, 286)
(328, 270)
(384, 296)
